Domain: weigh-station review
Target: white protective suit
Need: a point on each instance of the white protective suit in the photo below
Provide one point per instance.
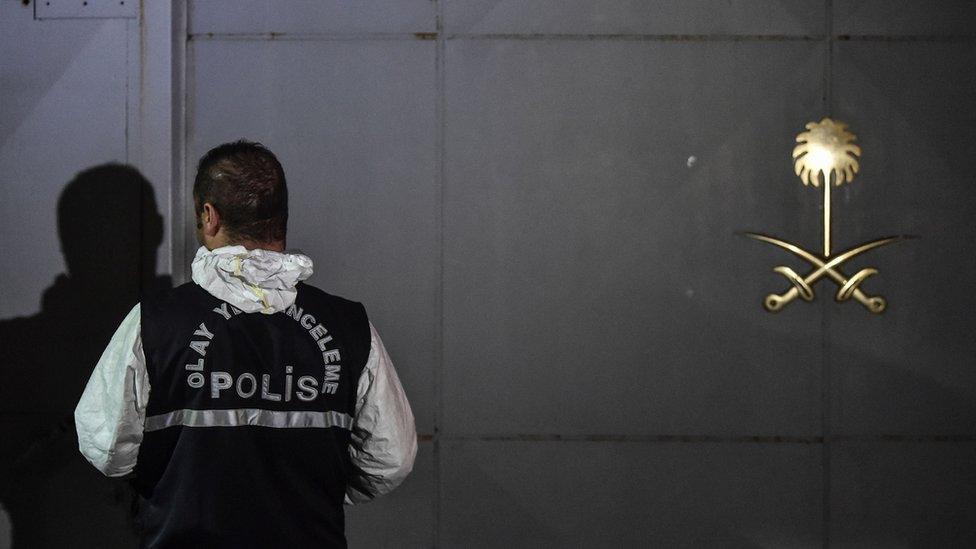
(111, 413)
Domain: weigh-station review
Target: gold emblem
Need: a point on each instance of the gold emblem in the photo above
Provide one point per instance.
(825, 153)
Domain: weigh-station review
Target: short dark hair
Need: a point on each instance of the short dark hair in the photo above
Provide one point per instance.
(246, 185)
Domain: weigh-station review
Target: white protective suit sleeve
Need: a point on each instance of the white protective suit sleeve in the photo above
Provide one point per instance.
(111, 414)
(384, 435)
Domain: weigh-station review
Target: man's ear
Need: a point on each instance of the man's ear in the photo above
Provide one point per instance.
(211, 220)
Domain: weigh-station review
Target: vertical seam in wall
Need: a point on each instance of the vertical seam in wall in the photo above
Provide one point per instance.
(188, 82)
(825, 311)
(829, 56)
(185, 112)
(140, 28)
(439, 363)
(135, 67)
(128, 75)
(129, 60)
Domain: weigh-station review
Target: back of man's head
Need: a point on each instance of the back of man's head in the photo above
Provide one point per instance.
(246, 185)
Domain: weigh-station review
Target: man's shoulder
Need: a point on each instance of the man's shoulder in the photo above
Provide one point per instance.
(338, 314)
(305, 289)
(342, 305)
(185, 294)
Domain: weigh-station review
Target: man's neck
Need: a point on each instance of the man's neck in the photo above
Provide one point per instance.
(275, 246)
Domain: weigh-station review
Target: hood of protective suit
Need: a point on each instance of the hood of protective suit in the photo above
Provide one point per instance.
(251, 280)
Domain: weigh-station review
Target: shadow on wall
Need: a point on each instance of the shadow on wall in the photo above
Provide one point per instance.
(110, 230)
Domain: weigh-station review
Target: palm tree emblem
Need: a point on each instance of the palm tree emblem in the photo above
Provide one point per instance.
(825, 153)
(826, 149)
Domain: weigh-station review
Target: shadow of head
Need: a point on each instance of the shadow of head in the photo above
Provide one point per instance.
(110, 229)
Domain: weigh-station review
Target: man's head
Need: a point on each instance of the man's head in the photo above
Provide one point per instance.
(240, 197)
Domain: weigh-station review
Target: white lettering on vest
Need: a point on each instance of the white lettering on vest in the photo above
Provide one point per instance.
(294, 311)
(331, 356)
(222, 310)
(266, 393)
(195, 380)
(332, 372)
(322, 342)
(318, 331)
(288, 370)
(254, 385)
(200, 347)
(203, 331)
(218, 382)
(307, 388)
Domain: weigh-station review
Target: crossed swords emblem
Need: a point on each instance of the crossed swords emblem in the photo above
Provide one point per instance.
(826, 152)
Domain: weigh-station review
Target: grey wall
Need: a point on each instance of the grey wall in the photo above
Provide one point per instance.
(537, 202)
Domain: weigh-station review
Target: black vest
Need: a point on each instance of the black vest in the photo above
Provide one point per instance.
(247, 431)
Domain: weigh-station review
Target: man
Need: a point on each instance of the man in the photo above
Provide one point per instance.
(249, 405)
